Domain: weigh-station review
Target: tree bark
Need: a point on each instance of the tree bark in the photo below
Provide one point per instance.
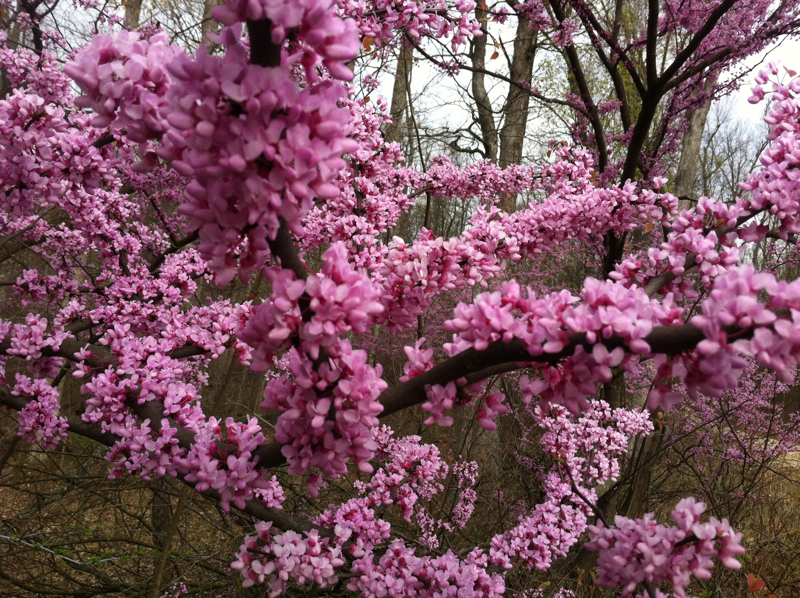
(166, 539)
(482, 101)
(512, 135)
(209, 25)
(133, 10)
(405, 61)
(692, 139)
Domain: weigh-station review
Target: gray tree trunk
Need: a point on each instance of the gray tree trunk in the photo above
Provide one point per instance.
(512, 135)
(133, 10)
(482, 101)
(690, 152)
(405, 62)
(209, 25)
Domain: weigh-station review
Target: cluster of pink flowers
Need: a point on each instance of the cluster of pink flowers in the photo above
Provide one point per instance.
(125, 81)
(39, 420)
(223, 460)
(738, 421)
(30, 339)
(371, 190)
(419, 360)
(410, 471)
(381, 20)
(775, 187)
(400, 573)
(481, 180)
(709, 232)
(326, 412)
(547, 532)
(321, 38)
(276, 557)
(642, 551)
(693, 235)
(565, 31)
(607, 309)
(143, 449)
(32, 286)
(590, 444)
(489, 406)
(535, 11)
(41, 158)
(40, 74)
(585, 449)
(733, 306)
(257, 146)
(440, 399)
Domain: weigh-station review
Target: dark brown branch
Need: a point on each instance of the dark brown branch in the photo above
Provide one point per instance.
(67, 350)
(700, 67)
(588, 18)
(262, 51)
(652, 40)
(695, 42)
(180, 244)
(283, 248)
(586, 94)
(103, 141)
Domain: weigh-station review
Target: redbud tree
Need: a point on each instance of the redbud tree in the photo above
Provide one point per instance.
(140, 172)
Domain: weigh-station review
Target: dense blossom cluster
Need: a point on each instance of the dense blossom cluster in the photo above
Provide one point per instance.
(663, 552)
(236, 477)
(326, 413)
(603, 310)
(124, 79)
(371, 191)
(410, 475)
(585, 449)
(223, 121)
(588, 445)
(289, 554)
(382, 20)
(39, 420)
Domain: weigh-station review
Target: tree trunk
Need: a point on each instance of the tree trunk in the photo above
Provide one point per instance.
(692, 140)
(512, 135)
(482, 101)
(166, 540)
(634, 503)
(209, 25)
(405, 61)
(643, 463)
(133, 10)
